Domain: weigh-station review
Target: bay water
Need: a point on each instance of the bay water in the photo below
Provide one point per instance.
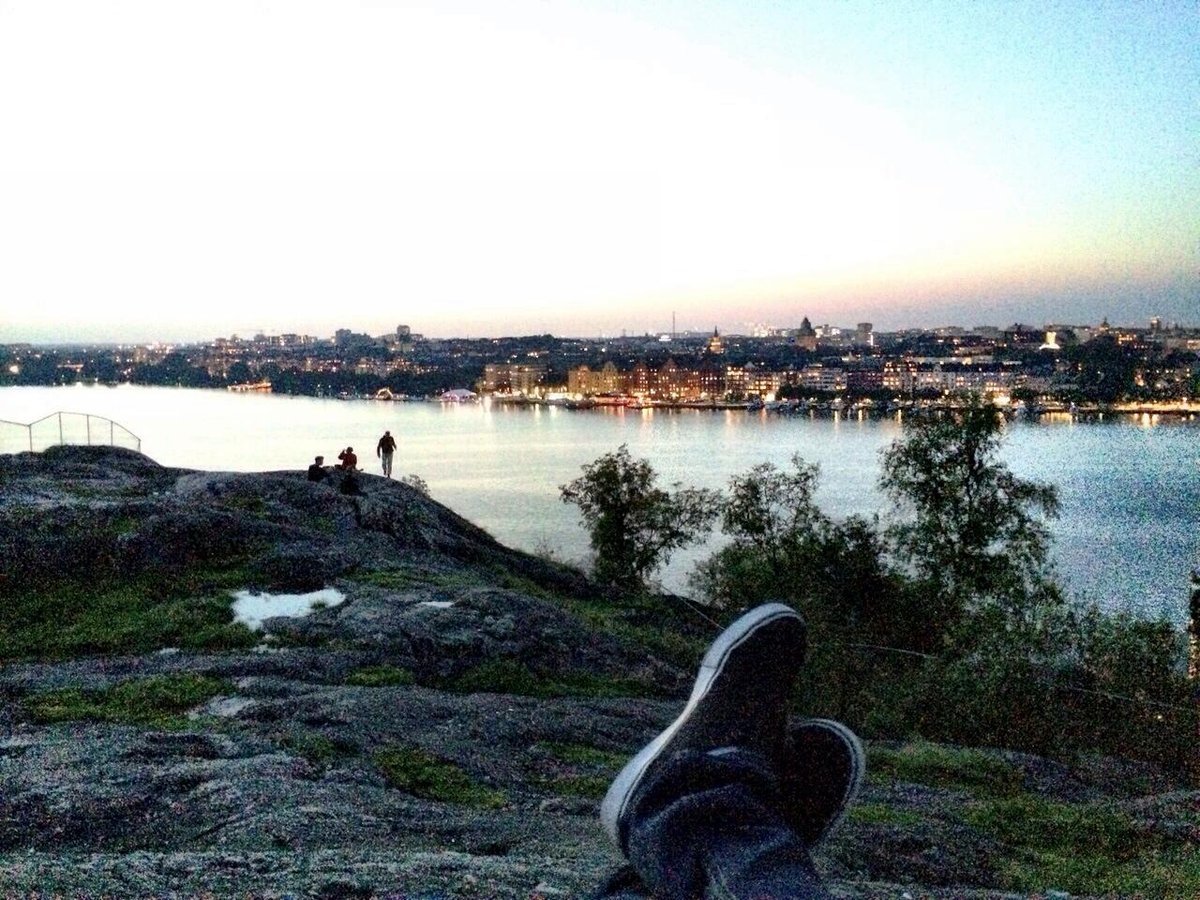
(1127, 537)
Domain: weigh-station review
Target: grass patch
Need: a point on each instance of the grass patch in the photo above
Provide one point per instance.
(979, 773)
(247, 503)
(519, 584)
(586, 787)
(125, 524)
(380, 676)
(424, 775)
(159, 700)
(316, 748)
(678, 649)
(191, 610)
(1085, 849)
(585, 755)
(600, 767)
(647, 622)
(507, 676)
(881, 814)
(499, 676)
(1174, 874)
(1061, 828)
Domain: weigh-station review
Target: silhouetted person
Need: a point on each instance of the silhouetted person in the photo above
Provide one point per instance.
(384, 450)
(349, 461)
(316, 472)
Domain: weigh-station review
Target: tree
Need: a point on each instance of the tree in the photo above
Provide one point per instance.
(968, 528)
(783, 547)
(775, 530)
(1103, 370)
(634, 524)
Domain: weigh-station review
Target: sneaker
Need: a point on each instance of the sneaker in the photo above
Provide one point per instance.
(739, 700)
(820, 773)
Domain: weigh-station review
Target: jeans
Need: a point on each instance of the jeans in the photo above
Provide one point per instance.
(707, 825)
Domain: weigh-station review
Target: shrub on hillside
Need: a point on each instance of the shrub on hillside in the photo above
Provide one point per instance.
(634, 524)
(950, 622)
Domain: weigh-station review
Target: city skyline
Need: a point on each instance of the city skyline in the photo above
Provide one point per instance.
(173, 173)
(761, 330)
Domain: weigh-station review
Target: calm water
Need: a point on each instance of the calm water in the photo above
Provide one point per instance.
(1128, 535)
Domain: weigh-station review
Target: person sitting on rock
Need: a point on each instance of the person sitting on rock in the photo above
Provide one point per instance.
(316, 472)
(729, 801)
(349, 460)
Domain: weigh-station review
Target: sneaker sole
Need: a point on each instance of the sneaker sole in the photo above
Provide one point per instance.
(858, 771)
(627, 780)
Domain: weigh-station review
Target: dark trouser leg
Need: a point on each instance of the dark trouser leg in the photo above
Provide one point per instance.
(707, 825)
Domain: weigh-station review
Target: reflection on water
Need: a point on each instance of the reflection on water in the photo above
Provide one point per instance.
(1127, 536)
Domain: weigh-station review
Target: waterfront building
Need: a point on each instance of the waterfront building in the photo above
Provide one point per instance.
(515, 378)
(759, 382)
(864, 381)
(818, 377)
(638, 383)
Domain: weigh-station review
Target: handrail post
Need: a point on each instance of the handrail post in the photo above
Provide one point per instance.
(60, 431)
(87, 420)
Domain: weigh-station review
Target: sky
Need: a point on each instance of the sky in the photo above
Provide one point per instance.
(181, 170)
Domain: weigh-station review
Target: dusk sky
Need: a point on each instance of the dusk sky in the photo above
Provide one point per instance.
(178, 171)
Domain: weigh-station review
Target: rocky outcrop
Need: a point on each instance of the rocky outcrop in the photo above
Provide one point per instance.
(273, 786)
(277, 783)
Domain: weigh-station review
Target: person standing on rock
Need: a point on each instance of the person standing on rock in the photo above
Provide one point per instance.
(384, 450)
(730, 800)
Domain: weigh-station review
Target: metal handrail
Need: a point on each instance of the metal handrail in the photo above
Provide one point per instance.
(89, 432)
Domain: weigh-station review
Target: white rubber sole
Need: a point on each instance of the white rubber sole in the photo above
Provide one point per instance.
(619, 792)
(858, 773)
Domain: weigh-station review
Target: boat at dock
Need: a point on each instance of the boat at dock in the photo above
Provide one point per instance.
(257, 387)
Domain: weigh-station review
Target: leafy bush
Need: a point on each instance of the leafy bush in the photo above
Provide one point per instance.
(634, 524)
(416, 482)
(1128, 694)
(950, 623)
